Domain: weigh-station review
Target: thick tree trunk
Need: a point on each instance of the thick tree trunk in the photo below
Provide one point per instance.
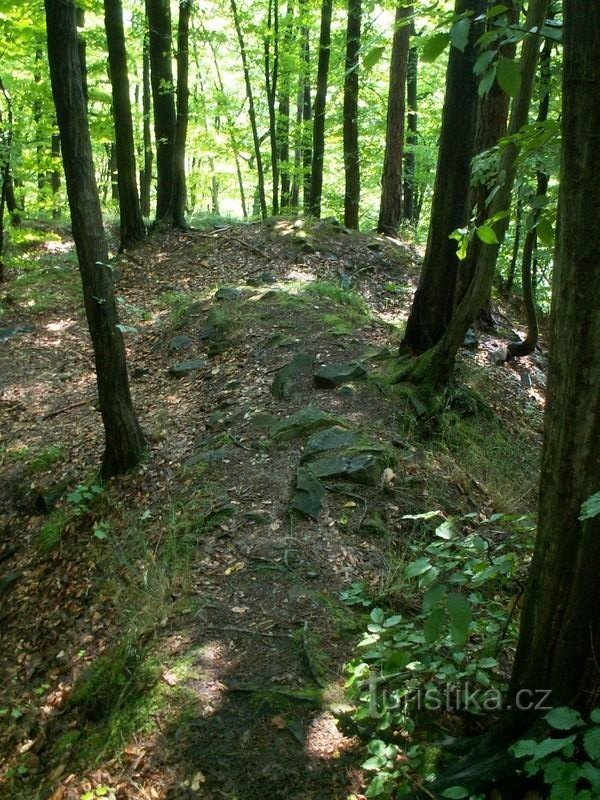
(132, 224)
(146, 175)
(124, 439)
(351, 145)
(390, 210)
(434, 299)
(251, 112)
(318, 154)
(434, 367)
(559, 637)
(165, 120)
(409, 211)
(176, 211)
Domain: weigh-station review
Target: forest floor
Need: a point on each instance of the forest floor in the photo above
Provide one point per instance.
(180, 632)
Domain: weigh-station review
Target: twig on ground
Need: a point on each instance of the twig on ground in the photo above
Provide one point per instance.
(249, 631)
(62, 410)
(247, 245)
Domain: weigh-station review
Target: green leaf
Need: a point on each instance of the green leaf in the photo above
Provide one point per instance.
(455, 793)
(496, 10)
(459, 34)
(591, 742)
(508, 76)
(487, 234)
(563, 719)
(589, 509)
(434, 625)
(446, 530)
(377, 615)
(418, 567)
(374, 763)
(433, 596)
(545, 231)
(434, 47)
(595, 715)
(459, 610)
(484, 61)
(486, 83)
(378, 785)
(373, 56)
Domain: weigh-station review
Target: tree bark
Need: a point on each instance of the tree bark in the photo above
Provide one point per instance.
(434, 367)
(526, 347)
(175, 214)
(409, 211)
(251, 112)
(131, 222)
(124, 439)
(283, 115)
(318, 148)
(433, 303)
(271, 65)
(165, 120)
(146, 174)
(390, 210)
(350, 127)
(306, 118)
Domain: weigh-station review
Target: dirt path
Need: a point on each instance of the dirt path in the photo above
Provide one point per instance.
(182, 634)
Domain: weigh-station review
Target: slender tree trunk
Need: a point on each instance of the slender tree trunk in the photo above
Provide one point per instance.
(307, 132)
(351, 146)
(175, 214)
(55, 174)
(524, 348)
(434, 367)
(434, 299)
(132, 224)
(510, 279)
(6, 141)
(283, 115)
(390, 210)
(409, 212)
(492, 121)
(146, 175)
(316, 185)
(124, 439)
(251, 112)
(165, 120)
(271, 48)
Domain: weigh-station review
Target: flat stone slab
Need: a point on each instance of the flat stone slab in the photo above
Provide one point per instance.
(208, 457)
(309, 493)
(284, 381)
(365, 468)
(180, 342)
(265, 278)
(330, 439)
(183, 368)
(302, 423)
(16, 330)
(332, 375)
(228, 293)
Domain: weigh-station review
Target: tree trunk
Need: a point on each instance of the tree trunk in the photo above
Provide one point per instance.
(165, 121)
(434, 367)
(55, 174)
(350, 127)
(132, 224)
(271, 66)
(176, 211)
(409, 211)
(124, 439)
(306, 118)
(526, 347)
(390, 210)
(251, 112)
(283, 115)
(434, 299)
(318, 154)
(146, 175)
(510, 279)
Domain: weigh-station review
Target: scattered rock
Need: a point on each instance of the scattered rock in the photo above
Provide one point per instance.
(374, 526)
(16, 330)
(140, 372)
(308, 248)
(7, 582)
(262, 279)
(526, 380)
(284, 381)
(185, 367)
(302, 423)
(375, 246)
(309, 493)
(345, 390)
(208, 457)
(499, 356)
(366, 468)
(471, 339)
(228, 293)
(330, 439)
(332, 375)
(180, 342)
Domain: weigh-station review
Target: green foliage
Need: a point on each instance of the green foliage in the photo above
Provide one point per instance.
(84, 495)
(51, 532)
(451, 648)
(569, 764)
